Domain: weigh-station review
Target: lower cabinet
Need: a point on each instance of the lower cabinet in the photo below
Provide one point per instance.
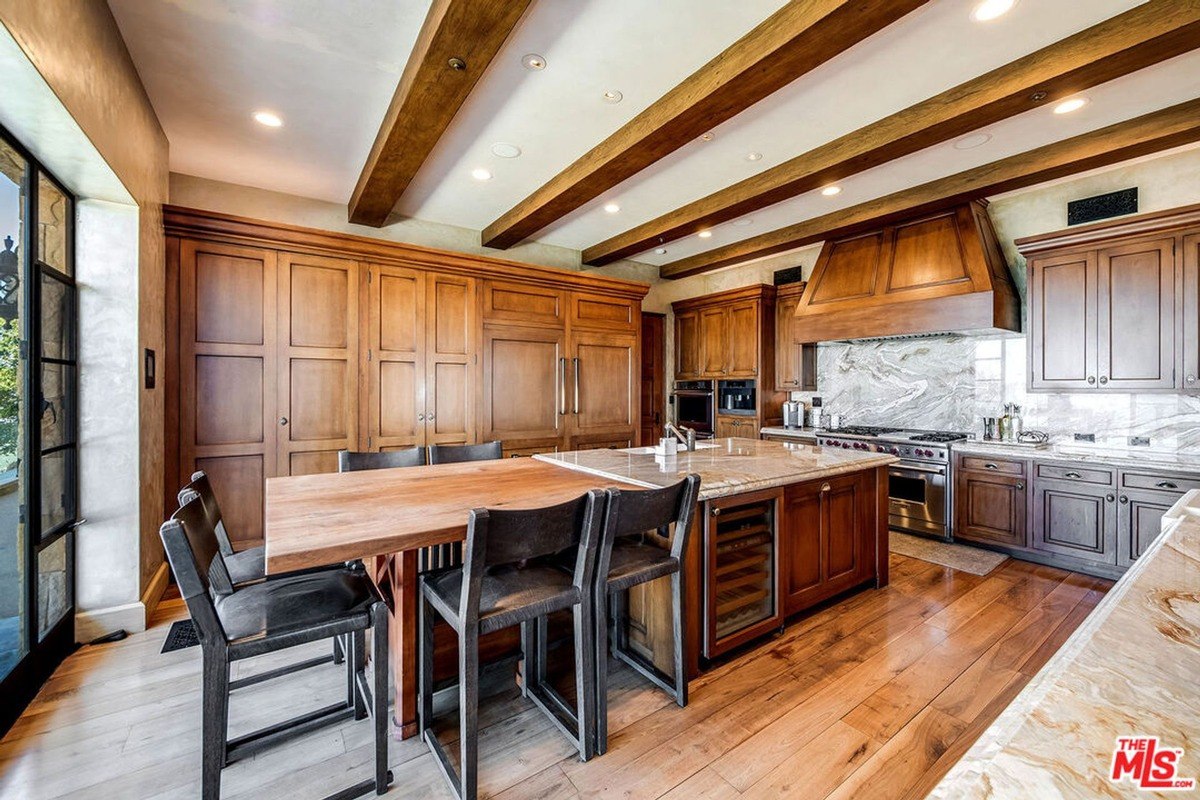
(735, 426)
(991, 504)
(1074, 517)
(827, 538)
(1139, 521)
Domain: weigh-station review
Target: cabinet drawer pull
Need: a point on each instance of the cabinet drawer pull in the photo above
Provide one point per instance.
(1073, 475)
(1166, 485)
(1124, 500)
(990, 465)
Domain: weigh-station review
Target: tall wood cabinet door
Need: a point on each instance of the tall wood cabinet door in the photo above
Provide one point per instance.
(452, 360)
(603, 384)
(394, 363)
(687, 345)
(1062, 321)
(227, 376)
(714, 341)
(743, 340)
(1136, 302)
(524, 386)
(653, 376)
(318, 326)
(1191, 312)
(801, 555)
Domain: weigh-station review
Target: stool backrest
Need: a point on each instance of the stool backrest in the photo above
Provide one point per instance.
(499, 537)
(191, 547)
(350, 461)
(455, 453)
(200, 485)
(629, 513)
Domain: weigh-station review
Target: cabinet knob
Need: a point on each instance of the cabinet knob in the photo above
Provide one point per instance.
(1103, 379)
(716, 512)
(1091, 379)
(1124, 500)
(283, 420)
(420, 417)
(431, 418)
(825, 487)
(1191, 378)
(1020, 487)
(1109, 497)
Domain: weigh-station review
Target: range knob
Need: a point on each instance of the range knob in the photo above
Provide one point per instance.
(846, 445)
(895, 451)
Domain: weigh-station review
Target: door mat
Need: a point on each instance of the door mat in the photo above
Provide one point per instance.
(182, 634)
(956, 556)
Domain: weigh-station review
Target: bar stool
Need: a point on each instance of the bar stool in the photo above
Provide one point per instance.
(637, 547)
(507, 579)
(351, 461)
(264, 617)
(456, 453)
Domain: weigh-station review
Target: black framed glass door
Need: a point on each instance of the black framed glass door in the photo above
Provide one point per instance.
(38, 425)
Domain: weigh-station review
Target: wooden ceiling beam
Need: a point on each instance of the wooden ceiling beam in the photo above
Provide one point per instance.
(458, 40)
(794, 40)
(1150, 133)
(1143, 36)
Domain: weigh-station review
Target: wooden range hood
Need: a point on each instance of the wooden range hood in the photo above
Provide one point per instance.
(936, 273)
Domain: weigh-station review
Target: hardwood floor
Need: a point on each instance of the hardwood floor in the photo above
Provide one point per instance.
(875, 696)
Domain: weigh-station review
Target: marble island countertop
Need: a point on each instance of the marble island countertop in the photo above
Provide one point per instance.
(1130, 669)
(734, 466)
(1102, 454)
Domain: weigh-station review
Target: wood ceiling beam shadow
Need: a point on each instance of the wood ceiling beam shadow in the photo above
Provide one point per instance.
(794, 40)
(1150, 133)
(428, 96)
(1146, 35)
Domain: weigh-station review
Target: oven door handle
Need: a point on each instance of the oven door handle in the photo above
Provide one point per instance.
(918, 468)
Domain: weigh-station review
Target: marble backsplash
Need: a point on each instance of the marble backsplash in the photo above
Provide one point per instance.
(951, 382)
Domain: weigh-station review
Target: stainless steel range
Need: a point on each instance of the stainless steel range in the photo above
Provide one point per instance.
(919, 484)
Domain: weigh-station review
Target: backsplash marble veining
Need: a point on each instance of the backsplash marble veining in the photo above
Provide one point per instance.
(952, 382)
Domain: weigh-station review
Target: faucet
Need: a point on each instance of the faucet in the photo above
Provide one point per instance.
(687, 436)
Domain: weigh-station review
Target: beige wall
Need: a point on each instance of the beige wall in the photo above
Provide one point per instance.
(76, 47)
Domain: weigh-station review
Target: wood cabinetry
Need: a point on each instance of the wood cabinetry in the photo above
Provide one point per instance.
(687, 345)
(1075, 512)
(1115, 306)
(990, 501)
(292, 344)
(828, 540)
(795, 362)
(715, 341)
(729, 425)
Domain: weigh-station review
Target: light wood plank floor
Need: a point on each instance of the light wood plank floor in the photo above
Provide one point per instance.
(873, 697)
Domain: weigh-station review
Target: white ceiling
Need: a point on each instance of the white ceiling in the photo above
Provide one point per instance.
(329, 68)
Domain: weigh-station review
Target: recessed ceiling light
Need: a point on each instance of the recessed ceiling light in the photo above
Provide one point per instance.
(268, 119)
(1067, 106)
(481, 174)
(989, 10)
(830, 191)
(972, 141)
(705, 234)
(505, 150)
(612, 96)
(743, 222)
(611, 208)
(755, 156)
(662, 251)
(533, 61)
(708, 137)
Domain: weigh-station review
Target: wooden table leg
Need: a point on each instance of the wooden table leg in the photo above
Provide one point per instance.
(396, 576)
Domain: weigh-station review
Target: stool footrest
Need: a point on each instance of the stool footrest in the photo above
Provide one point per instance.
(251, 743)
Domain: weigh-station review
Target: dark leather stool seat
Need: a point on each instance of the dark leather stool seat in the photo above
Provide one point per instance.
(507, 595)
(259, 617)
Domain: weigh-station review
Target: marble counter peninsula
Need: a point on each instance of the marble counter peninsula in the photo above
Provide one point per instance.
(781, 527)
(725, 466)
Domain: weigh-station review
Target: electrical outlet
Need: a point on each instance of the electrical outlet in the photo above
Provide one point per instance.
(1139, 441)
(1085, 437)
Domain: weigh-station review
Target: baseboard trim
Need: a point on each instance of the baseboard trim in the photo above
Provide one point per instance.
(93, 624)
(154, 591)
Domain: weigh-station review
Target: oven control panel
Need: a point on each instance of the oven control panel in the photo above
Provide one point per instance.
(914, 451)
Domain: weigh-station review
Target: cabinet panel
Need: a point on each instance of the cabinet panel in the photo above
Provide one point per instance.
(1191, 313)
(603, 383)
(238, 481)
(990, 508)
(826, 538)
(228, 294)
(687, 345)
(714, 341)
(394, 362)
(227, 387)
(801, 547)
(606, 313)
(795, 363)
(743, 340)
(524, 386)
(1140, 522)
(1062, 321)
(451, 359)
(1136, 339)
(522, 304)
(1075, 519)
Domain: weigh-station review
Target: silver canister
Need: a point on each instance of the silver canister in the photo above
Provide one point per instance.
(991, 429)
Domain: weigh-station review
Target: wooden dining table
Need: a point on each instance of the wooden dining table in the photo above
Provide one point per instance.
(384, 517)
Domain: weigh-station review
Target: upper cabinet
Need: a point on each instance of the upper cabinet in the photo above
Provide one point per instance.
(726, 335)
(795, 362)
(1116, 306)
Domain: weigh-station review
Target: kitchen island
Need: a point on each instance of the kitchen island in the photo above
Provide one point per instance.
(803, 522)
(782, 526)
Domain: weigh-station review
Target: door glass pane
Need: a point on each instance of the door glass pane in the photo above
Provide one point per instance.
(58, 407)
(53, 219)
(58, 489)
(13, 578)
(54, 590)
(58, 319)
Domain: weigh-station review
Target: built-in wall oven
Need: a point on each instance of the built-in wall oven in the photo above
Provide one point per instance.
(694, 406)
